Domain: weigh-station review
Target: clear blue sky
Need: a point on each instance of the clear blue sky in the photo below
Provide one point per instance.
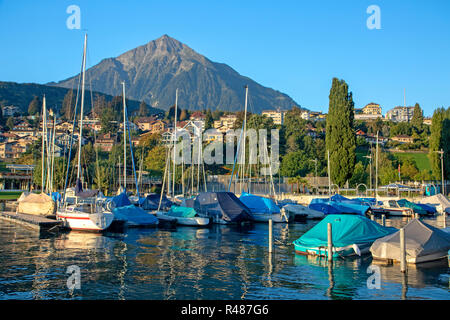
(295, 46)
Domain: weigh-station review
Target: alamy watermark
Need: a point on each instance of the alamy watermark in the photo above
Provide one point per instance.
(374, 281)
(74, 20)
(211, 147)
(374, 20)
(74, 280)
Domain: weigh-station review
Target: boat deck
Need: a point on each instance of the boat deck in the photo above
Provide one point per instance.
(29, 220)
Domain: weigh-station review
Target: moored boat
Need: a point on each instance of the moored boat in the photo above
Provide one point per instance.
(184, 216)
(351, 235)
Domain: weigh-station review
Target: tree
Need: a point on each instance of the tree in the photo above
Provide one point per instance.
(143, 110)
(295, 164)
(183, 115)
(209, 121)
(340, 135)
(35, 106)
(10, 123)
(436, 141)
(68, 105)
(359, 175)
(417, 119)
(155, 160)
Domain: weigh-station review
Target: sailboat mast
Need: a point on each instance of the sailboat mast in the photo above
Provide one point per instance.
(82, 108)
(174, 142)
(124, 140)
(43, 141)
(245, 138)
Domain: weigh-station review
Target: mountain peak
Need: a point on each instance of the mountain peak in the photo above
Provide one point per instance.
(152, 73)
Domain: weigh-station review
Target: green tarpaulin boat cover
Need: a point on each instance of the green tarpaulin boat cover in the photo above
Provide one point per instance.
(412, 205)
(184, 212)
(346, 230)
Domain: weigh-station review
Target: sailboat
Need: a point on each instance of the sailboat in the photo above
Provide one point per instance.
(180, 215)
(262, 209)
(82, 210)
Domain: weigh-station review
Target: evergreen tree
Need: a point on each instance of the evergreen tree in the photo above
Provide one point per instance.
(143, 110)
(68, 106)
(436, 141)
(35, 106)
(417, 119)
(183, 115)
(10, 123)
(340, 134)
(209, 121)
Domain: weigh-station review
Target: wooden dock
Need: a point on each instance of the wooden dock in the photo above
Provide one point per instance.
(32, 221)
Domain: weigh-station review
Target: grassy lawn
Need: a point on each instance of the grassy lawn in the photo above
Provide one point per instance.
(10, 195)
(421, 159)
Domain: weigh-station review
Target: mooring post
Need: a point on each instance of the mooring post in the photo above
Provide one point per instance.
(330, 243)
(383, 220)
(270, 236)
(444, 216)
(402, 251)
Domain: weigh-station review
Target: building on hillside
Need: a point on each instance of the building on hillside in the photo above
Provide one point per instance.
(305, 115)
(276, 115)
(197, 116)
(213, 135)
(10, 111)
(427, 121)
(6, 150)
(16, 177)
(371, 111)
(317, 116)
(105, 142)
(145, 123)
(400, 114)
(403, 139)
(226, 122)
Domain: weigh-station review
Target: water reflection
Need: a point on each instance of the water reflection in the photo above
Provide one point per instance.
(220, 262)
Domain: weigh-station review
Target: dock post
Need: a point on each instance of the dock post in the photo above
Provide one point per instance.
(330, 243)
(270, 236)
(444, 216)
(402, 251)
(383, 220)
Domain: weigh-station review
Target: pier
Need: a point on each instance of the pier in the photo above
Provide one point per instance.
(32, 221)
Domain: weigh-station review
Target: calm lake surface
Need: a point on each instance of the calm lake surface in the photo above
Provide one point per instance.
(221, 262)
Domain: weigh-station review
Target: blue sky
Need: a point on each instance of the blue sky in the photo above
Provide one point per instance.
(295, 47)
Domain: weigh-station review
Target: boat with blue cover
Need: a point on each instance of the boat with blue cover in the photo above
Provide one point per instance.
(222, 208)
(184, 216)
(339, 205)
(263, 208)
(135, 216)
(351, 235)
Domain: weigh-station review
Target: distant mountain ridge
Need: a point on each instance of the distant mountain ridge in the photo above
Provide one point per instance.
(21, 94)
(153, 72)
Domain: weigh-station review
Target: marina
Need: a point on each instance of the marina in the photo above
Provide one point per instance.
(220, 262)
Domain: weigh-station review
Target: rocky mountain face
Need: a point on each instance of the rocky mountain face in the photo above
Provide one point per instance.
(154, 71)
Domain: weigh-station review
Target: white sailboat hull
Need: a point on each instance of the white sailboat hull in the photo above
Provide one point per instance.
(85, 221)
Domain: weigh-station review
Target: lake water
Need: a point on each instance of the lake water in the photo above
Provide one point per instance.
(221, 262)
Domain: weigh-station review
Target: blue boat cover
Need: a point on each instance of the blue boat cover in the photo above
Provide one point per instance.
(184, 212)
(416, 208)
(259, 204)
(346, 230)
(328, 206)
(151, 202)
(121, 200)
(56, 196)
(429, 209)
(224, 205)
(135, 215)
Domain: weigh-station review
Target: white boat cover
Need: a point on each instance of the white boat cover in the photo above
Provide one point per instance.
(423, 243)
(36, 204)
(439, 200)
(299, 209)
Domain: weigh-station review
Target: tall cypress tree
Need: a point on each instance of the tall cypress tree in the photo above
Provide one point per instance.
(436, 141)
(417, 119)
(340, 135)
